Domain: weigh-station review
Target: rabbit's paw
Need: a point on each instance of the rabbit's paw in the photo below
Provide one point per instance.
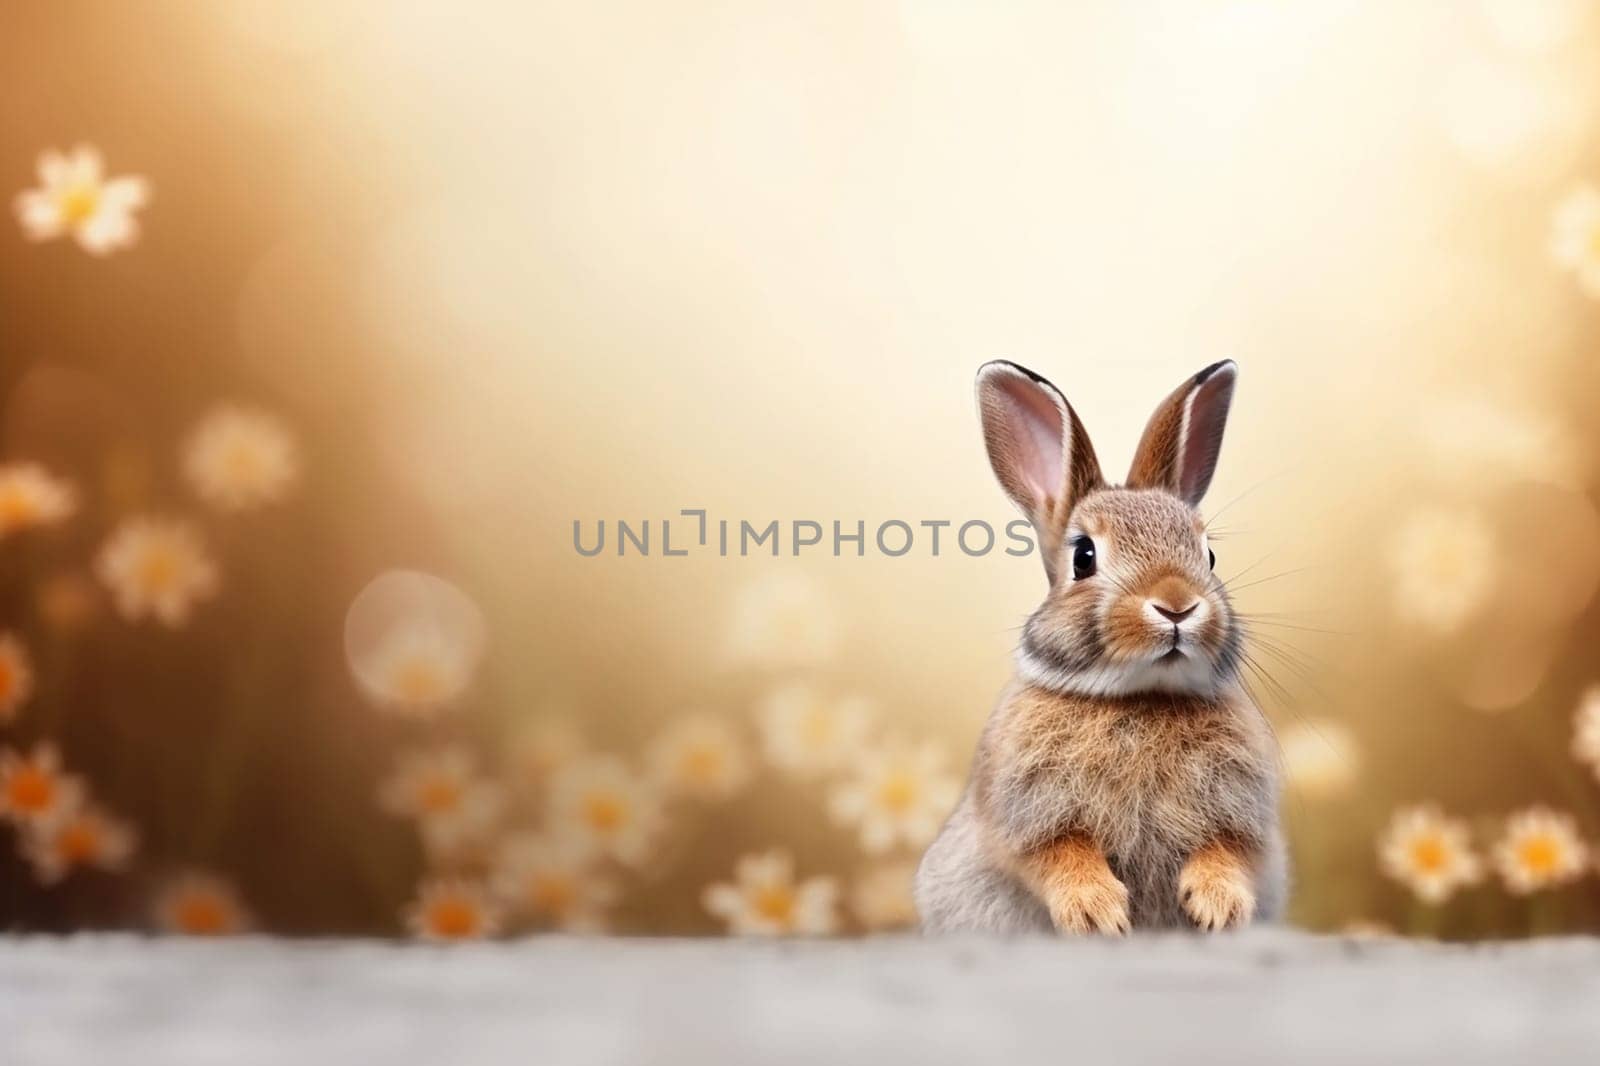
(1216, 894)
(1091, 905)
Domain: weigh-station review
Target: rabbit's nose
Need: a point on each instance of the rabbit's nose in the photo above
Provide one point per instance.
(1174, 616)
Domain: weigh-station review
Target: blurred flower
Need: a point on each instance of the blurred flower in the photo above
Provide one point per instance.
(413, 642)
(766, 901)
(1586, 730)
(440, 789)
(417, 671)
(156, 567)
(1575, 236)
(553, 882)
(542, 746)
(74, 197)
(85, 837)
(1367, 929)
(30, 497)
(16, 677)
(1541, 848)
(881, 897)
(700, 756)
(1429, 853)
(1441, 563)
(1320, 758)
(68, 601)
(782, 620)
(450, 909)
(201, 904)
(601, 804)
(1479, 444)
(806, 733)
(899, 794)
(239, 459)
(33, 788)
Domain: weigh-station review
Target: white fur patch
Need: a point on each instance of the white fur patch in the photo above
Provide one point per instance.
(1188, 676)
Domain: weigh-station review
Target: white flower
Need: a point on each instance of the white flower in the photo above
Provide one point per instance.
(418, 671)
(553, 882)
(74, 197)
(604, 806)
(440, 788)
(450, 909)
(1442, 564)
(807, 733)
(882, 899)
(781, 621)
(1541, 848)
(1575, 237)
(16, 676)
(83, 837)
(899, 794)
(201, 904)
(1320, 758)
(33, 789)
(1429, 853)
(1586, 730)
(764, 899)
(31, 497)
(413, 642)
(238, 459)
(156, 567)
(700, 756)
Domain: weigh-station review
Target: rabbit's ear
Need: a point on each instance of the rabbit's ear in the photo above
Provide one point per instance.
(1179, 449)
(1038, 449)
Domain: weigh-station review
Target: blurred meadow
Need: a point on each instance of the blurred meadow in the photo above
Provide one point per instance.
(322, 324)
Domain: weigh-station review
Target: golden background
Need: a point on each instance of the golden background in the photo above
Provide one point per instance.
(504, 267)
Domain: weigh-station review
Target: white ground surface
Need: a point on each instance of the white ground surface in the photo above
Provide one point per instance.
(1262, 997)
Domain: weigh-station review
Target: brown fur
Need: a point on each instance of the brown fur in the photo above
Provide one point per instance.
(1215, 885)
(1125, 778)
(1150, 780)
(1075, 882)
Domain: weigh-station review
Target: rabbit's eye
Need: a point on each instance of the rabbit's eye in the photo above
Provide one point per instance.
(1213, 558)
(1082, 558)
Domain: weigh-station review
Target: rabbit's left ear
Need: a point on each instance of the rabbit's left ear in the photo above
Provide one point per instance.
(1179, 449)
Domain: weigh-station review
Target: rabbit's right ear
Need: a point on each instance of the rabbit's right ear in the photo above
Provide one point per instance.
(1038, 450)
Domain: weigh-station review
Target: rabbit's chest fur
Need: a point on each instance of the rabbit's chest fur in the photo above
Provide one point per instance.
(1151, 779)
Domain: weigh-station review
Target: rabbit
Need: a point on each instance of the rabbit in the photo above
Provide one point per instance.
(1125, 780)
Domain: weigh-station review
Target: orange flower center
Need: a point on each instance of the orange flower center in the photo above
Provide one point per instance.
(604, 812)
(775, 903)
(30, 790)
(78, 203)
(419, 680)
(242, 463)
(1539, 855)
(79, 842)
(201, 914)
(17, 508)
(158, 569)
(453, 918)
(702, 764)
(439, 795)
(552, 893)
(1429, 855)
(818, 729)
(898, 792)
